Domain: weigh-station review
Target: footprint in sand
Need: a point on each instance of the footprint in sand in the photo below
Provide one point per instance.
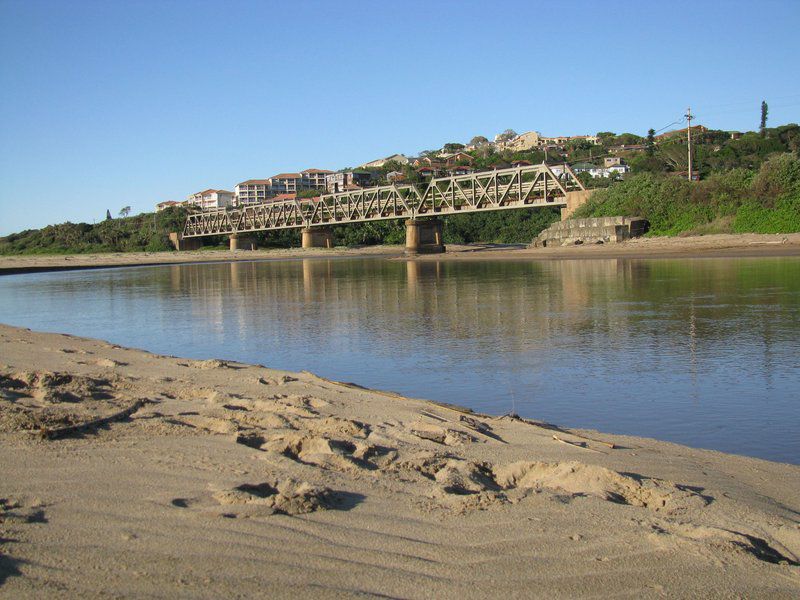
(287, 497)
(579, 479)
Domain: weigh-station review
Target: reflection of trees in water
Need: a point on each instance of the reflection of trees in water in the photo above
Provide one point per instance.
(679, 304)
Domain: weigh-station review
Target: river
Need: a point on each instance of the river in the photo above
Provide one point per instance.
(703, 352)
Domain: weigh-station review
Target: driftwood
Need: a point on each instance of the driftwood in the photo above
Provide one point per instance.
(433, 416)
(582, 445)
(433, 436)
(51, 434)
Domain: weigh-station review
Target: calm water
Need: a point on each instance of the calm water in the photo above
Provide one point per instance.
(704, 352)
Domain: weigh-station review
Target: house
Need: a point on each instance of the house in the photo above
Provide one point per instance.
(590, 168)
(627, 148)
(460, 170)
(620, 169)
(253, 191)
(286, 183)
(595, 171)
(524, 141)
(592, 139)
(210, 199)
(314, 179)
(342, 182)
(610, 161)
(429, 171)
(677, 133)
(426, 161)
(167, 204)
(456, 158)
(395, 176)
(377, 164)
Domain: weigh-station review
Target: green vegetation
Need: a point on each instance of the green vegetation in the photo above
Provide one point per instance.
(741, 200)
(147, 231)
(749, 183)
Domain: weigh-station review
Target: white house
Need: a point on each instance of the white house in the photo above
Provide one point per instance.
(377, 164)
(209, 199)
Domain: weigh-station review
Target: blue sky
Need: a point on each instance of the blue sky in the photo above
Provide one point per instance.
(114, 103)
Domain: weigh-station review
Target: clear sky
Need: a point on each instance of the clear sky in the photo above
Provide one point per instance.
(110, 103)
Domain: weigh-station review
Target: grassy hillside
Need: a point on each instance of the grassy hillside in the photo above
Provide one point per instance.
(148, 231)
(766, 200)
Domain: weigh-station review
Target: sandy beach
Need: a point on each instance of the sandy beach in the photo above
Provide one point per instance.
(720, 245)
(130, 474)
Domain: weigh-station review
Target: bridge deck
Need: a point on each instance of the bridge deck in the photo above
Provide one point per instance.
(521, 187)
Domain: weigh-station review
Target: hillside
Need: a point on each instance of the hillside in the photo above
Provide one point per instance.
(763, 200)
(147, 231)
(750, 182)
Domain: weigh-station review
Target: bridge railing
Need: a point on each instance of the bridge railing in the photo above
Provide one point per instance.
(488, 190)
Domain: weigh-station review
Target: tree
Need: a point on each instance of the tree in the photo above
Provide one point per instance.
(453, 147)
(764, 110)
(478, 140)
(651, 142)
(125, 211)
(108, 215)
(508, 134)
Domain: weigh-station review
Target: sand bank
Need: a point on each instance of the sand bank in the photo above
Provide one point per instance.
(722, 245)
(216, 479)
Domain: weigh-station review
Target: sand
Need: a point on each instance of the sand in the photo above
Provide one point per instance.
(718, 245)
(217, 479)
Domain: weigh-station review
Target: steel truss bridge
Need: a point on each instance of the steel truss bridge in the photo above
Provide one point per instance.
(520, 187)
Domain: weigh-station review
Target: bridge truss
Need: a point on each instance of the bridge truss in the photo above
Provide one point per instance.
(520, 187)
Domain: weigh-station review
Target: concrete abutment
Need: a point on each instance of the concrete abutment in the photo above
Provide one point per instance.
(182, 243)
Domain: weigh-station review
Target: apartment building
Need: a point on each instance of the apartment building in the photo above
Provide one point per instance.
(167, 204)
(208, 199)
(314, 179)
(286, 183)
(341, 182)
(253, 191)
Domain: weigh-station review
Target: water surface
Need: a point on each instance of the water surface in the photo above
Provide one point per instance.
(703, 352)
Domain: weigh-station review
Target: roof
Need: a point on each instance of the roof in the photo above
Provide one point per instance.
(323, 171)
(255, 182)
(700, 128)
(585, 165)
(281, 197)
(287, 176)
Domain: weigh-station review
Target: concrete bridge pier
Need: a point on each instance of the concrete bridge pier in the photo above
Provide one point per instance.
(424, 236)
(238, 242)
(317, 237)
(182, 243)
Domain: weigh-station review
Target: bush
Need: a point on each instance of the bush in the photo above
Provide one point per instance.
(766, 201)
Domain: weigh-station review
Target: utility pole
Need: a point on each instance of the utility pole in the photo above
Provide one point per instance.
(689, 118)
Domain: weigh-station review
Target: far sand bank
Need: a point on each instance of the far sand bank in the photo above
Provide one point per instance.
(722, 245)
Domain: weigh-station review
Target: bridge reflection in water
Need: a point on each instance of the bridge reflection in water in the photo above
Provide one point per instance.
(702, 352)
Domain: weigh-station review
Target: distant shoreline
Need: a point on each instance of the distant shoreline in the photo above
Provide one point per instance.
(708, 246)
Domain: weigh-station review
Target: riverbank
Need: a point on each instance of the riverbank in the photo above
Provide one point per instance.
(210, 478)
(720, 245)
